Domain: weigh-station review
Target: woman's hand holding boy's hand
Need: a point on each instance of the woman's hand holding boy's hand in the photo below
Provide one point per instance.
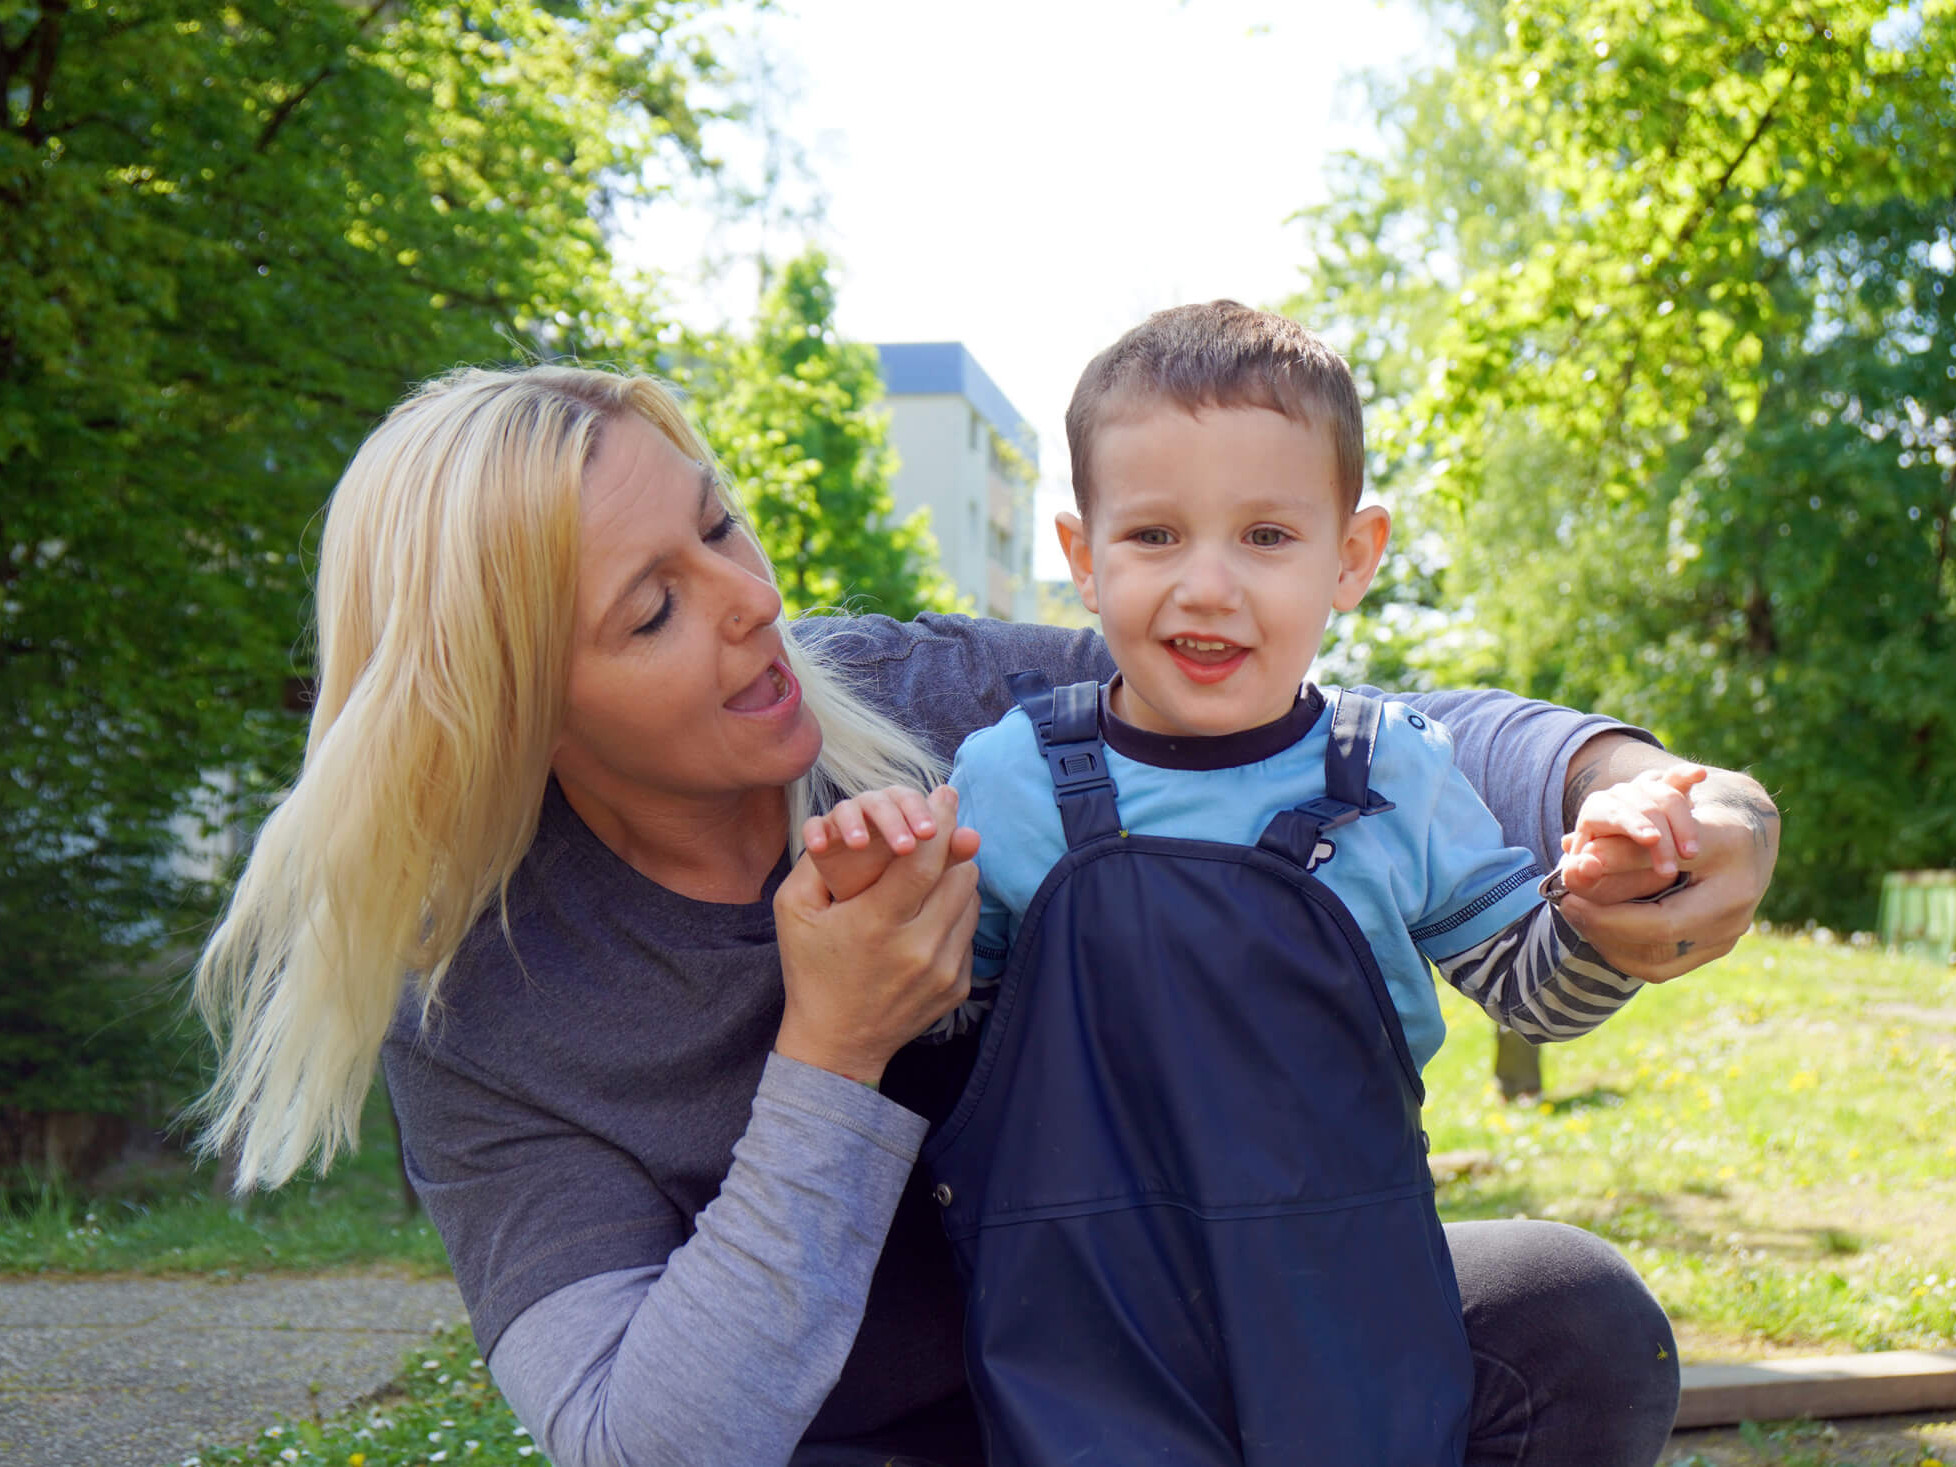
(1738, 844)
(854, 843)
(866, 974)
(1630, 839)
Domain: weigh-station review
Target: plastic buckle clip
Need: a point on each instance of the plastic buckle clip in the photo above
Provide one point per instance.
(1077, 769)
(1329, 812)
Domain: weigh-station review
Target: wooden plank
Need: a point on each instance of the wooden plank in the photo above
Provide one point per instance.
(1819, 1386)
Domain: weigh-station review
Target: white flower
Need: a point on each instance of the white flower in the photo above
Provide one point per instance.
(524, 1451)
(274, 1431)
(431, 1365)
(521, 1431)
(438, 1457)
(434, 1436)
(290, 1454)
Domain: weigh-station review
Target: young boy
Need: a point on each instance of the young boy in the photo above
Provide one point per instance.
(1186, 1184)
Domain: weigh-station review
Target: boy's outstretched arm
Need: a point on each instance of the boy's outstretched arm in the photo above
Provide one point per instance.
(1737, 832)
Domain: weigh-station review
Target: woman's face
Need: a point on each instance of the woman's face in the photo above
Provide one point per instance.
(677, 689)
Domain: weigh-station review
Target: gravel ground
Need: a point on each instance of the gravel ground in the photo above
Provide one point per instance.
(138, 1372)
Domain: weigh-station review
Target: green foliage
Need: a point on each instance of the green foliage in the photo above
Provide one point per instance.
(1654, 303)
(791, 411)
(230, 238)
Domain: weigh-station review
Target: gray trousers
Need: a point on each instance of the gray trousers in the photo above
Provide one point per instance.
(1574, 1363)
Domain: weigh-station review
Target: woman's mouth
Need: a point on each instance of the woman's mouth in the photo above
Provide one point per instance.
(775, 686)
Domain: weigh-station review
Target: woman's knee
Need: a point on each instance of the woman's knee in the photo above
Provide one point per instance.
(1567, 1340)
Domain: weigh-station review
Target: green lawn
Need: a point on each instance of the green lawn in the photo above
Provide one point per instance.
(173, 1222)
(1772, 1141)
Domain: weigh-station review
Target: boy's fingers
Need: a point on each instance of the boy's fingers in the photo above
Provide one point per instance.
(882, 812)
(815, 834)
(915, 805)
(1681, 777)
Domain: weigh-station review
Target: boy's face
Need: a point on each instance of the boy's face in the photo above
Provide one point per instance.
(1218, 550)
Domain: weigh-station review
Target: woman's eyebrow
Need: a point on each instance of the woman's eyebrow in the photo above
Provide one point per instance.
(709, 486)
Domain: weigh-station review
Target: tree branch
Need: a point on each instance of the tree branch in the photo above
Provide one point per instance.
(47, 51)
(292, 103)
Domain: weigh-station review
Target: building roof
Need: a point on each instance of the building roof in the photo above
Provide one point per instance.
(923, 368)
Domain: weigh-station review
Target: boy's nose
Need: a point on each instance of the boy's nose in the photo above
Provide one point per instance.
(1207, 584)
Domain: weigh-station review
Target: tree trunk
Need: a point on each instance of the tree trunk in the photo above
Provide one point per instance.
(1517, 1065)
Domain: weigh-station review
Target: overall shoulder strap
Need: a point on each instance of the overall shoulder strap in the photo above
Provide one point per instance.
(1295, 833)
(1067, 723)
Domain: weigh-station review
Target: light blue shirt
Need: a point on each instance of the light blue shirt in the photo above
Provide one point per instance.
(1429, 878)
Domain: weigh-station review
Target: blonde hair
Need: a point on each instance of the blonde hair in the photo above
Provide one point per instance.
(447, 577)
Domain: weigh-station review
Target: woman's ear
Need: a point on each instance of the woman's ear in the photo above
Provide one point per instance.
(1359, 553)
(1079, 557)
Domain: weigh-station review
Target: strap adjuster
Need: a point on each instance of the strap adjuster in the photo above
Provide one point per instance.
(1077, 769)
(1328, 812)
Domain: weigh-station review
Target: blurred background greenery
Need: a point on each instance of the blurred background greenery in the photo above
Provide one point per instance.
(1651, 302)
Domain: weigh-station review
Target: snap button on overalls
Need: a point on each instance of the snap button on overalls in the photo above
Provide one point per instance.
(1186, 1184)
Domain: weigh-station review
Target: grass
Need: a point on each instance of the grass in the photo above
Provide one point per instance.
(1771, 1141)
(444, 1409)
(172, 1222)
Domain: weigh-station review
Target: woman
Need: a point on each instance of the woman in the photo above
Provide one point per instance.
(562, 744)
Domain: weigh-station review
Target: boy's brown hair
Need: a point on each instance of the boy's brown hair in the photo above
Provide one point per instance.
(1220, 355)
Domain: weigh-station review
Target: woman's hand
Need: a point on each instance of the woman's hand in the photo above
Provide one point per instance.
(867, 975)
(1738, 844)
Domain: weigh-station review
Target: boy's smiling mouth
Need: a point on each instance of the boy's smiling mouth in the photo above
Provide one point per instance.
(1205, 659)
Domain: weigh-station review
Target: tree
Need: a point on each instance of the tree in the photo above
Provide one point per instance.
(1660, 315)
(230, 238)
(791, 410)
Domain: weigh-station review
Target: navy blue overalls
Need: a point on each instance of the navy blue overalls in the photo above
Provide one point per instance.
(1186, 1185)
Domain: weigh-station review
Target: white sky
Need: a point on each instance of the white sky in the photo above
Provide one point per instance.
(1031, 177)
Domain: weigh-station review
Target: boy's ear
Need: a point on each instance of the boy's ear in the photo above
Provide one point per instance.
(1359, 553)
(1079, 557)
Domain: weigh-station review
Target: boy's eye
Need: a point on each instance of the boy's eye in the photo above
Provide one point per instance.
(1152, 536)
(1267, 537)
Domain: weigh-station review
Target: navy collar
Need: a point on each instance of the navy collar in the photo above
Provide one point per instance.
(1213, 751)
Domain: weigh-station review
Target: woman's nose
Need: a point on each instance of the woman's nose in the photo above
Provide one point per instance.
(751, 600)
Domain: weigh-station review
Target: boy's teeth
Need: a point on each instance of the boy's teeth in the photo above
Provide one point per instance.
(1194, 646)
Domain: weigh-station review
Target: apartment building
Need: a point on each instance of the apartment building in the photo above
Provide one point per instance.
(970, 458)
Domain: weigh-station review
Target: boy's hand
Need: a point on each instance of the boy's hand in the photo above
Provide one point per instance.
(1630, 839)
(853, 844)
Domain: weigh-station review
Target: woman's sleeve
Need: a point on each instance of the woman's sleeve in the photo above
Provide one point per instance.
(1515, 752)
(726, 1351)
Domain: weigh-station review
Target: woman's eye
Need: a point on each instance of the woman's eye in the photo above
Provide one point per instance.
(658, 619)
(1267, 537)
(719, 531)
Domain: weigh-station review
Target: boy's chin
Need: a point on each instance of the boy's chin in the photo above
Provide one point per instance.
(1176, 714)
